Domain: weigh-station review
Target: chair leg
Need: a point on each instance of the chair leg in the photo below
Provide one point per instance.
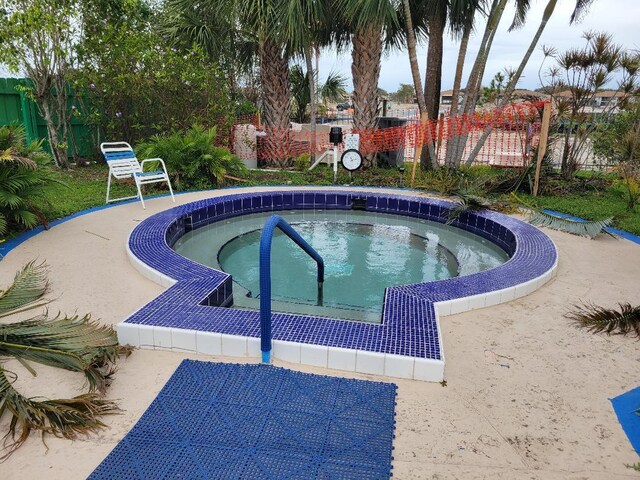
(140, 194)
(171, 190)
(108, 187)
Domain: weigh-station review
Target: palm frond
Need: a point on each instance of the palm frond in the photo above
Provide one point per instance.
(29, 285)
(466, 203)
(580, 7)
(63, 418)
(597, 319)
(72, 343)
(9, 155)
(583, 229)
(519, 19)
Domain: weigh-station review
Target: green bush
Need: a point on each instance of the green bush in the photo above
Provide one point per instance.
(24, 174)
(192, 159)
(135, 83)
(617, 140)
(302, 162)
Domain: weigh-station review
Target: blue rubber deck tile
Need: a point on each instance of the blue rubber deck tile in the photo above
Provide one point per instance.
(229, 421)
(627, 408)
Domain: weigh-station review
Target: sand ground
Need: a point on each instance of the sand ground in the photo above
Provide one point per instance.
(526, 393)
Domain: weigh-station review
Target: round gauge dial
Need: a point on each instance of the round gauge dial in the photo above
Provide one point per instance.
(351, 159)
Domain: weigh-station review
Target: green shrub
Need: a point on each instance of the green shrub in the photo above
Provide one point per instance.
(628, 187)
(302, 162)
(192, 159)
(617, 140)
(24, 174)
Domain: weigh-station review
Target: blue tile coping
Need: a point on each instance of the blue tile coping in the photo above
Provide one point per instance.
(191, 314)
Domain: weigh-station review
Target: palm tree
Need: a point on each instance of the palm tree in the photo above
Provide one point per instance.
(215, 28)
(437, 23)
(366, 25)
(413, 57)
(462, 14)
(24, 174)
(332, 89)
(275, 31)
(548, 12)
(428, 150)
(455, 148)
(436, 15)
(257, 29)
(305, 27)
(75, 343)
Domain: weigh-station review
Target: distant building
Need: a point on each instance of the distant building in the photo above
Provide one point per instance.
(605, 100)
(446, 97)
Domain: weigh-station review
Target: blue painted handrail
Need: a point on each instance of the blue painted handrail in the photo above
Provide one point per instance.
(265, 276)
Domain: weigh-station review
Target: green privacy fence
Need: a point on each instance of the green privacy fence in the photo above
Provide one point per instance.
(16, 107)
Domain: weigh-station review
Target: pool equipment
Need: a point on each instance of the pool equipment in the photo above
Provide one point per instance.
(265, 276)
(351, 145)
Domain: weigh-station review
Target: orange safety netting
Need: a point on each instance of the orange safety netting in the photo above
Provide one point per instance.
(514, 133)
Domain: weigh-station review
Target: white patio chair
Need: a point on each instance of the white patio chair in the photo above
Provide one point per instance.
(123, 164)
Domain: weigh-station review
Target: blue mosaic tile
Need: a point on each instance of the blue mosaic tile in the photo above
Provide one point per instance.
(409, 325)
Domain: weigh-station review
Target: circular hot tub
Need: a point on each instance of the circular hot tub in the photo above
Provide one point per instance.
(364, 253)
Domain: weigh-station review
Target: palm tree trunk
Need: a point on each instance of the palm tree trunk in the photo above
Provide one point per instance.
(548, 11)
(274, 73)
(413, 57)
(455, 148)
(312, 101)
(417, 83)
(457, 81)
(462, 53)
(475, 77)
(365, 70)
(437, 21)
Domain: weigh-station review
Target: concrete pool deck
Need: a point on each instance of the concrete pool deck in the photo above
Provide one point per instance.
(526, 396)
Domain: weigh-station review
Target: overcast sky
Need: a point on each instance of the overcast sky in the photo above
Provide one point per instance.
(621, 18)
(618, 17)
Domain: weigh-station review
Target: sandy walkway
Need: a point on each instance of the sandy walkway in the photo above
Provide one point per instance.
(526, 395)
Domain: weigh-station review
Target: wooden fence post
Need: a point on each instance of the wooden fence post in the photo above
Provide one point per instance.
(440, 128)
(424, 120)
(542, 144)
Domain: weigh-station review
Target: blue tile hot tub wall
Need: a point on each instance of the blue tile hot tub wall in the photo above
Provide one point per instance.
(409, 322)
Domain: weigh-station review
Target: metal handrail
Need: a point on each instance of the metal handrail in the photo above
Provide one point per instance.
(265, 276)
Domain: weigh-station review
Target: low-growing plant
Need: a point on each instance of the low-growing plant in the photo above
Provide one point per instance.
(24, 174)
(302, 162)
(192, 159)
(443, 180)
(629, 183)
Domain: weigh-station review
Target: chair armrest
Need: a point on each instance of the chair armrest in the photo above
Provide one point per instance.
(164, 167)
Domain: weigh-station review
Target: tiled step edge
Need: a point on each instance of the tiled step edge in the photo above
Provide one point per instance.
(209, 343)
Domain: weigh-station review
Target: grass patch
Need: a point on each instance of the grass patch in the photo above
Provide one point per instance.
(83, 188)
(593, 206)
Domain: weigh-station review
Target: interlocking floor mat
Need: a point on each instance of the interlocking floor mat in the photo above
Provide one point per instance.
(627, 408)
(227, 421)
